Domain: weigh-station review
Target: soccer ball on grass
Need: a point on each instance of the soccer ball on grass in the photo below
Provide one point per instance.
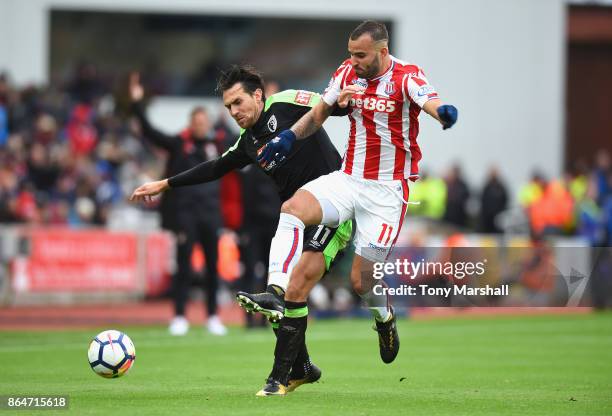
(111, 354)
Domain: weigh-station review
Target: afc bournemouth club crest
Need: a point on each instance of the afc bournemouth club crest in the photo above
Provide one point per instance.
(389, 88)
(272, 124)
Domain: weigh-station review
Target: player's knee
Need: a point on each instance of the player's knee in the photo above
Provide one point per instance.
(292, 206)
(303, 206)
(288, 207)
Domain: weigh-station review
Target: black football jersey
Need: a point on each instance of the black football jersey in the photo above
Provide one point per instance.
(309, 158)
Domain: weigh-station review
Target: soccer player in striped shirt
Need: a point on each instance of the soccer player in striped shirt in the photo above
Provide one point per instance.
(385, 97)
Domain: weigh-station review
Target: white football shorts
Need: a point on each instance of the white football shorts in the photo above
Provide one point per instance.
(378, 208)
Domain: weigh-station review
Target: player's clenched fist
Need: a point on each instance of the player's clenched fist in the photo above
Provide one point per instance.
(147, 191)
(448, 115)
(347, 93)
(277, 148)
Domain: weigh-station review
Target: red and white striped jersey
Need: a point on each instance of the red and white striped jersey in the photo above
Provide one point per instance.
(382, 143)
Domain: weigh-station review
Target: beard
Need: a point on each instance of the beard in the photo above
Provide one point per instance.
(372, 70)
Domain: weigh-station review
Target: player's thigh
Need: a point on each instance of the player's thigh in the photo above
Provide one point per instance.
(379, 217)
(335, 189)
(305, 275)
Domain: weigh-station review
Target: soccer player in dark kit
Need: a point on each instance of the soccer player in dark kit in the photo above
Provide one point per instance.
(260, 120)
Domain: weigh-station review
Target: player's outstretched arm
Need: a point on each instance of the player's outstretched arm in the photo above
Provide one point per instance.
(446, 114)
(204, 172)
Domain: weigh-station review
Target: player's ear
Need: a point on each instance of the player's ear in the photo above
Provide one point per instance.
(384, 51)
(258, 94)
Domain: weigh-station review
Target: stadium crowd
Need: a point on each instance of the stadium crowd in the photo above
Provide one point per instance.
(64, 154)
(69, 153)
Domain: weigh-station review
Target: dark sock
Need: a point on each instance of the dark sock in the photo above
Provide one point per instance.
(301, 365)
(302, 362)
(290, 339)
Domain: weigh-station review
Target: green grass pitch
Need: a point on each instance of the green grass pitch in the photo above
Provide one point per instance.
(528, 365)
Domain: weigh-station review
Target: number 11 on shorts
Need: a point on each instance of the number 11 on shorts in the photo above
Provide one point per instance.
(386, 229)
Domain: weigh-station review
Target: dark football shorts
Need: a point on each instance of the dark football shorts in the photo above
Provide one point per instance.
(328, 240)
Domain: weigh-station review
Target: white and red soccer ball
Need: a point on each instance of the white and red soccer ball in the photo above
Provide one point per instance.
(111, 354)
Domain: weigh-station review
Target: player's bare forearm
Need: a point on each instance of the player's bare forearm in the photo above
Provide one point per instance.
(305, 126)
(312, 120)
(431, 108)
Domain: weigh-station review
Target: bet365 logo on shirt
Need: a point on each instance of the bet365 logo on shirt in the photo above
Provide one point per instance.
(374, 104)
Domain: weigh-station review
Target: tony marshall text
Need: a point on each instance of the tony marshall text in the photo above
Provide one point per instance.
(425, 290)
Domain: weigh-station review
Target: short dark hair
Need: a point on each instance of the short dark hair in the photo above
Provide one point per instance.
(247, 75)
(378, 31)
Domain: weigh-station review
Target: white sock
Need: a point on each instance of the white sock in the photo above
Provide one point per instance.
(285, 250)
(378, 306)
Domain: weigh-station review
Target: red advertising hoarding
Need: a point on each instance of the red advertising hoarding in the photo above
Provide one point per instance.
(65, 260)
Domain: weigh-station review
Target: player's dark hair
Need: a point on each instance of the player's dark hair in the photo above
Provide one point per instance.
(377, 30)
(247, 75)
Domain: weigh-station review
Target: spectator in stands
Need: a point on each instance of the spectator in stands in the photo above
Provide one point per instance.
(82, 134)
(553, 212)
(3, 111)
(589, 217)
(493, 201)
(86, 86)
(578, 180)
(192, 213)
(429, 194)
(43, 171)
(603, 168)
(532, 191)
(457, 195)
